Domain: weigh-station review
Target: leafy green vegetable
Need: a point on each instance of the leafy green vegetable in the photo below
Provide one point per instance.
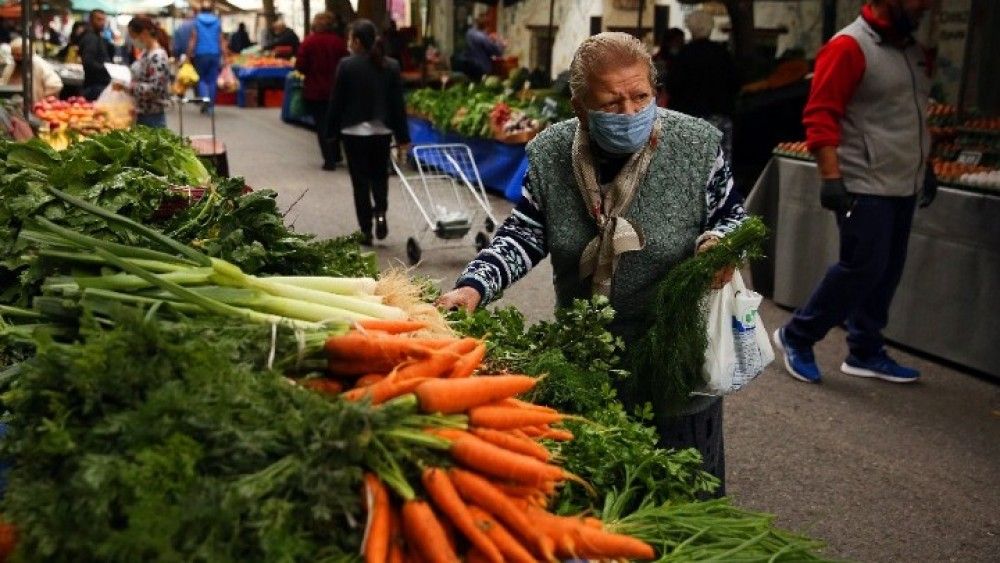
(146, 442)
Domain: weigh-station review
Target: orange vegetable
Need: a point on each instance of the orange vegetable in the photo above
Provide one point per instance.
(383, 391)
(374, 348)
(370, 379)
(375, 545)
(495, 461)
(448, 501)
(424, 533)
(396, 543)
(450, 396)
(389, 326)
(509, 546)
(469, 362)
(514, 443)
(509, 418)
(324, 385)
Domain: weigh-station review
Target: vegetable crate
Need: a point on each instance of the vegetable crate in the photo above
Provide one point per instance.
(448, 198)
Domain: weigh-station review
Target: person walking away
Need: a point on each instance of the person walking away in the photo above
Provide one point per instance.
(94, 54)
(284, 41)
(480, 49)
(703, 80)
(866, 123)
(182, 35)
(670, 47)
(655, 181)
(240, 39)
(45, 80)
(367, 110)
(206, 48)
(318, 58)
(150, 84)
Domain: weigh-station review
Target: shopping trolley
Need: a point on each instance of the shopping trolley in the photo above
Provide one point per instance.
(208, 147)
(448, 198)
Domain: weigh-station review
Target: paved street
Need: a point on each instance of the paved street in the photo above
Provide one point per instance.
(882, 472)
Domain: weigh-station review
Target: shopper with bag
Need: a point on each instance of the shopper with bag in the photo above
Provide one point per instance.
(367, 110)
(206, 49)
(618, 196)
(866, 123)
(150, 84)
(318, 58)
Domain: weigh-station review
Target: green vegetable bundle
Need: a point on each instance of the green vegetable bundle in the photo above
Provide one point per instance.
(667, 362)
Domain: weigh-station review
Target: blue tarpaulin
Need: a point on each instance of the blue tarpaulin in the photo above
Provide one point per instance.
(502, 167)
(246, 75)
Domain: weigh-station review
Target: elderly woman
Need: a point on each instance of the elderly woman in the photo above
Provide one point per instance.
(618, 196)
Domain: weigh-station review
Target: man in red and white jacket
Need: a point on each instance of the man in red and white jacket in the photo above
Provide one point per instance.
(866, 124)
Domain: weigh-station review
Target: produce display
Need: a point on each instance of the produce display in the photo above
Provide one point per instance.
(209, 385)
(491, 109)
(261, 61)
(63, 120)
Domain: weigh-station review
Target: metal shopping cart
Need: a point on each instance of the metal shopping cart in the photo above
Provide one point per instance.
(208, 147)
(448, 198)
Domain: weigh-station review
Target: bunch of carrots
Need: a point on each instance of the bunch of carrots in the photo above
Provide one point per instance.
(486, 501)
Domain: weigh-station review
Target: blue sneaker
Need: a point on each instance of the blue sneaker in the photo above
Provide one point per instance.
(879, 366)
(800, 362)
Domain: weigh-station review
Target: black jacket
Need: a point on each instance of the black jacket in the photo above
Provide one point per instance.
(703, 80)
(364, 92)
(94, 53)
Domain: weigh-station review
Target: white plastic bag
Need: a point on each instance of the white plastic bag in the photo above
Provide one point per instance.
(119, 107)
(738, 344)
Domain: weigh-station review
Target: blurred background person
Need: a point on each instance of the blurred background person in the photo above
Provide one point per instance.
(284, 41)
(206, 48)
(367, 110)
(480, 49)
(182, 35)
(71, 52)
(150, 84)
(45, 80)
(240, 39)
(319, 55)
(703, 80)
(94, 53)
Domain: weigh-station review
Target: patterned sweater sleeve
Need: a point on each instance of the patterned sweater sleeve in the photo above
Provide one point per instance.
(519, 244)
(724, 204)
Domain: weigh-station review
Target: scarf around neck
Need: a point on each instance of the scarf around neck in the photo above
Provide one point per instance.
(615, 234)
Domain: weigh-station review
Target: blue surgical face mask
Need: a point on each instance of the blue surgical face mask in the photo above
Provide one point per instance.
(620, 133)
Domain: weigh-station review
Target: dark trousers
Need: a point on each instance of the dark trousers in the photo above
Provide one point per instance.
(859, 288)
(328, 147)
(701, 430)
(208, 76)
(367, 163)
(93, 91)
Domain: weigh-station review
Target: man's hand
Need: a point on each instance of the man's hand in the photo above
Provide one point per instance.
(460, 298)
(833, 195)
(929, 192)
(723, 276)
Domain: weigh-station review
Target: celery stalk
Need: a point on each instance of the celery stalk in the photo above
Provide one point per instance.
(127, 282)
(291, 308)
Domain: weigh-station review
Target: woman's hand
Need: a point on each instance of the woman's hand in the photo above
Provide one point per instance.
(460, 298)
(723, 276)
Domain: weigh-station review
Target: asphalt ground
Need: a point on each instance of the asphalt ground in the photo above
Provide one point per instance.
(880, 471)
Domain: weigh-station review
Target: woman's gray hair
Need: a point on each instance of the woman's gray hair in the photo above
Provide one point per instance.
(700, 23)
(598, 52)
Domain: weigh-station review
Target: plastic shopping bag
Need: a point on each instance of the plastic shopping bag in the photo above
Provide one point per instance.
(227, 80)
(118, 105)
(738, 344)
(187, 77)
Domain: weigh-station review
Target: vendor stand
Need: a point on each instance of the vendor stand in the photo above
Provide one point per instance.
(946, 302)
(262, 80)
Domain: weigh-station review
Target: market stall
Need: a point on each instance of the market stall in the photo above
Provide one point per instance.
(261, 80)
(945, 304)
(195, 379)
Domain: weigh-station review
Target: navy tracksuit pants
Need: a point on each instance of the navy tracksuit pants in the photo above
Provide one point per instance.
(859, 288)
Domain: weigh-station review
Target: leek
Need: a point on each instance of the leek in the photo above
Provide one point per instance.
(343, 286)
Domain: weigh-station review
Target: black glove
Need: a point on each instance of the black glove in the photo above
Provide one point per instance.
(833, 195)
(929, 192)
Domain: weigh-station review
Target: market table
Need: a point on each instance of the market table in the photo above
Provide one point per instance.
(256, 75)
(946, 304)
(502, 167)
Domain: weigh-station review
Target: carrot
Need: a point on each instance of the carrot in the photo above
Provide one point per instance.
(476, 556)
(440, 362)
(598, 544)
(324, 385)
(355, 368)
(509, 418)
(451, 434)
(469, 362)
(558, 530)
(382, 391)
(510, 547)
(450, 396)
(357, 346)
(396, 544)
(534, 431)
(446, 498)
(424, 533)
(508, 441)
(476, 489)
(375, 544)
(557, 434)
(390, 327)
(495, 461)
(512, 402)
(370, 379)
(516, 491)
